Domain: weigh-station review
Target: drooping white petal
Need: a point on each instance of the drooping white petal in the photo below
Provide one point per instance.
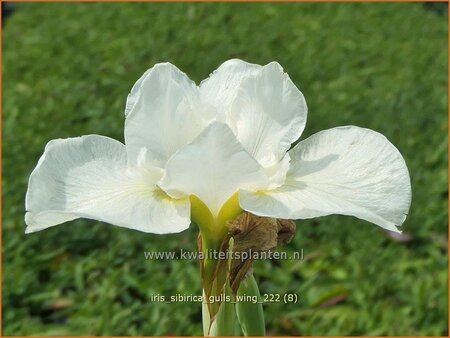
(345, 170)
(88, 177)
(262, 106)
(163, 113)
(213, 167)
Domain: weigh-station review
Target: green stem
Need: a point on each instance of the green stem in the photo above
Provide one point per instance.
(249, 308)
(219, 314)
(224, 322)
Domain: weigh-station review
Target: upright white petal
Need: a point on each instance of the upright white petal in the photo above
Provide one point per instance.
(163, 113)
(222, 86)
(88, 177)
(345, 170)
(213, 167)
(268, 114)
(262, 106)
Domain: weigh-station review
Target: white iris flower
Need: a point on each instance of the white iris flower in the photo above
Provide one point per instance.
(226, 142)
(208, 153)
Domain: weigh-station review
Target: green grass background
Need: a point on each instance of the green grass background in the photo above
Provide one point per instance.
(67, 69)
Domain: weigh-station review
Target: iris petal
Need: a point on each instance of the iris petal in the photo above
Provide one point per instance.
(88, 177)
(262, 106)
(346, 170)
(213, 167)
(163, 113)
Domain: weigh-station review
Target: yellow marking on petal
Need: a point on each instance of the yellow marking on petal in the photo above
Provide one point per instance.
(165, 198)
(161, 195)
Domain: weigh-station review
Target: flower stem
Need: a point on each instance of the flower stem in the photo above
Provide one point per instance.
(224, 322)
(219, 301)
(250, 312)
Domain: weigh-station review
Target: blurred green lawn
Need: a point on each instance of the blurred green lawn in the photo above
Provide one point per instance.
(67, 69)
